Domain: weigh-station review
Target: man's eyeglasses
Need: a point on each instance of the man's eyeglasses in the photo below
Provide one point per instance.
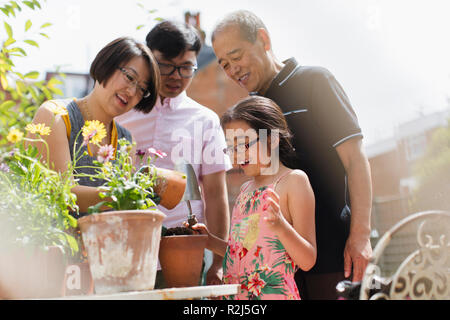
(240, 146)
(131, 80)
(184, 71)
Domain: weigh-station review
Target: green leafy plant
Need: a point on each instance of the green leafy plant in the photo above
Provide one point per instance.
(35, 201)
(123, 187)
(20, 92)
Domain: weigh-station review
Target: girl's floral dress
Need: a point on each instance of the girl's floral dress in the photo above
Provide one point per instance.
(255, 257)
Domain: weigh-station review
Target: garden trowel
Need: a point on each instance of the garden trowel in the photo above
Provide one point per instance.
(192, 191)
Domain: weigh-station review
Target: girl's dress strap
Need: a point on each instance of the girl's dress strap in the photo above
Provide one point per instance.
(245, 186)
(278, 180)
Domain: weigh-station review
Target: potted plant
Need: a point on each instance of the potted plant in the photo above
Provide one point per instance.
(35, 203)
(181, 251)
(122, 245)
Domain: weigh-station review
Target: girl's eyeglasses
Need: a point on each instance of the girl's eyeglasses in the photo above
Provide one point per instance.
(230, 149)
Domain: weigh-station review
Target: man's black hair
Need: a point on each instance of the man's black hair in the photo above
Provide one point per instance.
(173, 38)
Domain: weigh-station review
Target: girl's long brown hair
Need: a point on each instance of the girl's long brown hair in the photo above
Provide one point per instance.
(263, 113)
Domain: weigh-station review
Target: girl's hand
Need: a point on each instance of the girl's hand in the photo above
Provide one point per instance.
(198, 228)
(274, 218)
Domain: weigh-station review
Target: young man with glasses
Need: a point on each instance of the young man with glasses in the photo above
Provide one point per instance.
(182, 128)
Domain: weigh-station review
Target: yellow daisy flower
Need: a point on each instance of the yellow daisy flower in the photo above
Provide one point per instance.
(14, 135)
(94, 131)
(40, 129)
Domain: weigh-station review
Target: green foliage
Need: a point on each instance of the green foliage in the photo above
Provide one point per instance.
(35, 201)
(150, 16)
(20, 93)
(433, 173)
(125, 188)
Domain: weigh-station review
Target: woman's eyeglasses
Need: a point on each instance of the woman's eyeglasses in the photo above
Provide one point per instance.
(131, 80)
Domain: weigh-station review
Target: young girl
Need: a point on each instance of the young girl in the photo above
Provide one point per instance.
(272, 224)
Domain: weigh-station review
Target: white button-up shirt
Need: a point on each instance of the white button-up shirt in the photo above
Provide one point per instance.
(182, 128)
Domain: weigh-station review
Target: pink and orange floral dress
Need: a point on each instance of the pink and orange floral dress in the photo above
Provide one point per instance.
(255, 257)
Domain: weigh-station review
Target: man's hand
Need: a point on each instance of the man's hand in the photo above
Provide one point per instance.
(357, 253)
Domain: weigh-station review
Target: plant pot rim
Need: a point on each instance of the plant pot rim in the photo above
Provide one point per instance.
(185, 236)
(129, 213)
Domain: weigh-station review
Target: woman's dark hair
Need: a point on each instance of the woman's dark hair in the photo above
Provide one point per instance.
(118, 53)
(173, 38)
(263, 113)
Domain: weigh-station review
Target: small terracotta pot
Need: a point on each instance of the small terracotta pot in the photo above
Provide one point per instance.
(32, 273)
(170, 185)
(181, 259)
(122, 249)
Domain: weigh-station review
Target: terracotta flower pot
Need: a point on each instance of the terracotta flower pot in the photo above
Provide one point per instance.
(122, 249)
(181, 259)
(32, 273)
(170, 185)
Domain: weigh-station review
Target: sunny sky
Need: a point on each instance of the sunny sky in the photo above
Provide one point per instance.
(391, 56)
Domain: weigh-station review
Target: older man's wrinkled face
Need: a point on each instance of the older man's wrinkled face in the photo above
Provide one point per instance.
(244, 62)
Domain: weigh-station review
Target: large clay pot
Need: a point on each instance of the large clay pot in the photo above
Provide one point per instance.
(169, 185)
(122, 249)
(31, 273)
(181, 259)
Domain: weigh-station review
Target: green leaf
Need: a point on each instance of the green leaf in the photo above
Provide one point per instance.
(44, 35)
(139, 27)
(29, 4)
(8, 29)
(9, 42)
(32, 43)
(6, 105)
(6, 12)
(28, 25)
(45, 25)
(32, 75)
(18, 49)
(3, 81)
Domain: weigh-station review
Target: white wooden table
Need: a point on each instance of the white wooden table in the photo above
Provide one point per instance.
(165, 294)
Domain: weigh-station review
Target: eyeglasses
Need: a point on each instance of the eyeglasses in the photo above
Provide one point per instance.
(183, 71)
(131, 80)
(229, 150)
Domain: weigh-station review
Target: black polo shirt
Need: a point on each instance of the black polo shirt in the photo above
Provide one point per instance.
(320, 117)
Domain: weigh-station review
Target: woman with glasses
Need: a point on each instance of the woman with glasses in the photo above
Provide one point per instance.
(126, 77)
(272, 225)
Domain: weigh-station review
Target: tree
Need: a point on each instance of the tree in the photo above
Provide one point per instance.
(20, 93)
(433, 173)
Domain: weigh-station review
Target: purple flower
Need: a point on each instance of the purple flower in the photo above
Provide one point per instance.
(140, 153)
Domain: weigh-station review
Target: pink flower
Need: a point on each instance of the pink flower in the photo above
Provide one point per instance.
(105, 153)
(158, 153)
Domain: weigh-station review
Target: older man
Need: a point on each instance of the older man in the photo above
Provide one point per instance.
(328, 142)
